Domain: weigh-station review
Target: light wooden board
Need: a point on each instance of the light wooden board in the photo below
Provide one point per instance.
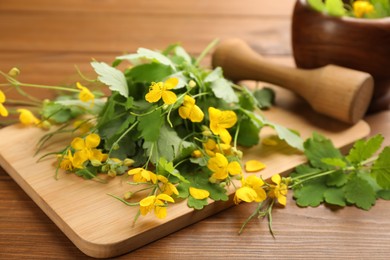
(101, 226)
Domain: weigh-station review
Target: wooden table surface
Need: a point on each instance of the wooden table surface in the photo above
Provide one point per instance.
(45, 39)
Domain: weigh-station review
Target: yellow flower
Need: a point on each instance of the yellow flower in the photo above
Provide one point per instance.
(190, 111)
(254, 166)
(220, 121)
(156, 203)
(83, 126)
(3, 110)
(221, 167)
(211, 147)
(85, 94)
(85, 148)
(361, 8)
(69, 162)
(279, 191)
(142, 175)
(161, 90)
(199, 194)
(196, 154)
(27, 118)
(167, 187)
(251, 190)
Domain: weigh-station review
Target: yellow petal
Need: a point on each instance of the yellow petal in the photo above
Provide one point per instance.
(169, 97)
(27, 118)
(160, 212)
(3, 111)
(2, 97)
(184, 112)
(199, 194)
(92, 141)
(165, 197)
(234, 168)
(276, 179)
(217, 162)
(153, 96)
(188, 101)
(196, 114)
(282, 200)
(246, 194)
(134, 171)
(171, 83)
(162, 178)
(253, 181)
(78, 143)
(269, 141)
(254, 166)
(220, 174)
(227, 119)
(145, 202)
(225, 136)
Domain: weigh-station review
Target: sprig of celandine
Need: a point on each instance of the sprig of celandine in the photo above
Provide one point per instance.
(176, 128)
(368, 9)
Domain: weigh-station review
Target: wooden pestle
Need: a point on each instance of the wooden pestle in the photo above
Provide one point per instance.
(335, 91)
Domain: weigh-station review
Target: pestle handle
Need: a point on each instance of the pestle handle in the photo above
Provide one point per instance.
(338, 92)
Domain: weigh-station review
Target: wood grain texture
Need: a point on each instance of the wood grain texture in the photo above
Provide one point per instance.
(25, 230)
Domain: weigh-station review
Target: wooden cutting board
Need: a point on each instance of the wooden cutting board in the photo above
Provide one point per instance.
(101, 226)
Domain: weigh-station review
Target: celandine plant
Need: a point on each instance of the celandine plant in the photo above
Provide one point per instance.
(353, 8)
(176, 129)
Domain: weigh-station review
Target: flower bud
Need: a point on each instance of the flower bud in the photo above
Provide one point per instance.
(127, 195)
(111, 173)
(192, 84)
(45, 125)
(14, 72)
(128, 162)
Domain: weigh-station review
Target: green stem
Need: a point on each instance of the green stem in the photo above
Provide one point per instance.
(250, 218)
(205, 51)
(22, 102)
(121, 137)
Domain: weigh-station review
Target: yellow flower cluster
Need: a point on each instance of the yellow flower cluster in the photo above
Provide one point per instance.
(85, 150)
(254, 189)
(361, 8)
(156, 203)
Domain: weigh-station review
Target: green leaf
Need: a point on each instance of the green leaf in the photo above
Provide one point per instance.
(56, 112)
(112, 77)
(247, 101)
(222, 89)
(359, 192)
(220, 86)
(363, 150)
(318, 147)
(248, 134)
(183, 189)
(265, 97)
(336, 162)
(311, 193)
(317, 5)
(166, 168)
(384, 194)
(381, 168)
(168, 145)
(214, 75)
(338, 179)
(150, 124)
(196, 204)
(335, 7)
(335, 196)
(291, 137)
(143, 53)
(149, 72)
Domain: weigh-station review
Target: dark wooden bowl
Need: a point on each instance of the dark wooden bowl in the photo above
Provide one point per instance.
(361, 44)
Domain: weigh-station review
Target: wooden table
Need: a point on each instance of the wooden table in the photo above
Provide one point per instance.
(45, 40)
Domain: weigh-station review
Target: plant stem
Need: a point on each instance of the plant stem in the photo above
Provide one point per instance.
(205, 51)
(250, 217)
